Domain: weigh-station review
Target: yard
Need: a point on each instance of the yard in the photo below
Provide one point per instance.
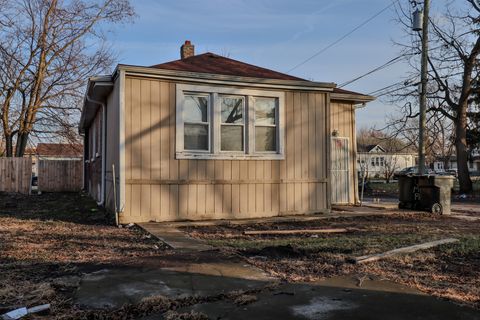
(49, 242)
(450, 271)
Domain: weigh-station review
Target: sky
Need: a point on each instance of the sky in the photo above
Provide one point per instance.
(275, 34)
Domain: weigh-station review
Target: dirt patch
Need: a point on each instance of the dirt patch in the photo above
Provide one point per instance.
(450, 271)
(47, 242)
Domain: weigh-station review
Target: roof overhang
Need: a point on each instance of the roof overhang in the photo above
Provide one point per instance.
(98, 89)
(225, 79)
(355, 98)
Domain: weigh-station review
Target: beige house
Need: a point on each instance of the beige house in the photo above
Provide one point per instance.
(208, 137)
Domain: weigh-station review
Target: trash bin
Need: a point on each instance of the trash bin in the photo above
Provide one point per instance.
(406, 192)
(435, 193)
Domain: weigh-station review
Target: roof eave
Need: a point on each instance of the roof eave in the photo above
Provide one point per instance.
(226, 79)
(92, 94)
(356, 98)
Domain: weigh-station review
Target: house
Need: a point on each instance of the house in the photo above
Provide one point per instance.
(450, 163)
(54, 151)
(375, 161)
(208, 137)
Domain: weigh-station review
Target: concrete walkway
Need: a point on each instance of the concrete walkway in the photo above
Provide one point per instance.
(174, 238)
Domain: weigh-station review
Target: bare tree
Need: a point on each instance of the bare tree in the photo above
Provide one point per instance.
(48, 48)
(453, 72)
(390, 166)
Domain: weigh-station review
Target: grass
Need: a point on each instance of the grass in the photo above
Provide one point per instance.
(381, 187)
(356, 244)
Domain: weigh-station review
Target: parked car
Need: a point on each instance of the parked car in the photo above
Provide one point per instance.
(410, 170)
(452, 172)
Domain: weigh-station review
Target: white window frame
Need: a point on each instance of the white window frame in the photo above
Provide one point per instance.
(215, 151)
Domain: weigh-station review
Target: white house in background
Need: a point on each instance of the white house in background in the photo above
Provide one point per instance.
(374, 160)
(473, 165)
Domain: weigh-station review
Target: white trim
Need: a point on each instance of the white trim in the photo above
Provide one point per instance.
(121, 126)
(215, 123)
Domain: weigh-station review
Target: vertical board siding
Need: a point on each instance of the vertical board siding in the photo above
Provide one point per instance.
(162, 188)
(15, 175)
(60, 175)
(112, 148)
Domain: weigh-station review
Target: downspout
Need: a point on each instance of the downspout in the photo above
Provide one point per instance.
(104, 131)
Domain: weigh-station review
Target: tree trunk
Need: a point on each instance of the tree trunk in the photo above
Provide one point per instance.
(8, 145)
(461, 149)
(22, 139)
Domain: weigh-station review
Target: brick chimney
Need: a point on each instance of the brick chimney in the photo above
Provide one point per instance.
(187, 50)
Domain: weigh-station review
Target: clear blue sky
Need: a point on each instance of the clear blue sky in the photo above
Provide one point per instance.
(276, 34)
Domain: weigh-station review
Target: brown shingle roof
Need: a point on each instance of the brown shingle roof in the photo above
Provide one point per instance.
(59, 150)
(212, 63)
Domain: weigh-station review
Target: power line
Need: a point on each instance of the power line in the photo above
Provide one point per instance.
(393, 88)
(386, 64)
(342, 37)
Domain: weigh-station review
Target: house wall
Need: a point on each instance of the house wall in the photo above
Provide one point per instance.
(161, 188)
(342, 117)
(94, 165)
(112, 147)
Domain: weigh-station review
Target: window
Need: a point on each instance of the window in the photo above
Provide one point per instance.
(265, 124)
(232, 123)
(196, 122)
(224, 123)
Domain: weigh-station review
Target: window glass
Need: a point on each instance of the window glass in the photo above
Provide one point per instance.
(265, 139)
(232, 123)
(196, 122)
(195, 108)
(265, 124)
(232, 109)
(265, 111)
(232, 138)
(195, 137)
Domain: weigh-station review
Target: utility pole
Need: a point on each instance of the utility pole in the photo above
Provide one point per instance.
(423, 91)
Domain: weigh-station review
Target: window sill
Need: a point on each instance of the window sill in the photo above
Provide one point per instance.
(226, 156)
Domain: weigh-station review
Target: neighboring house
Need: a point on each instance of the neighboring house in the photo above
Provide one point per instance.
(54, 151)
(375, 161)
(208, 137)
(440, 164)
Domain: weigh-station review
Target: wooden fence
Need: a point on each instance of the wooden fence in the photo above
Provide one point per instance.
(15, 175)
(60, 175)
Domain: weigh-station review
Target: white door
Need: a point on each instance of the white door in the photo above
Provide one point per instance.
(340, 172)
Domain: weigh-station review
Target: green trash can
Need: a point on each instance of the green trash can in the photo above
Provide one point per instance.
(435, 193)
